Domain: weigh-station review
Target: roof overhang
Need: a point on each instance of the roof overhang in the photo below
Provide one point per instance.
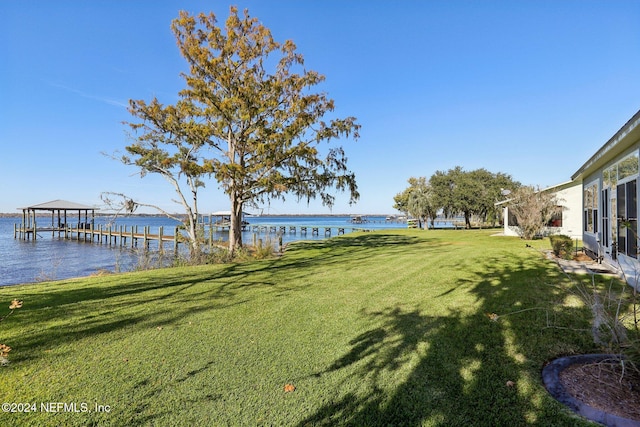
(226, 213)
(60, 205)
(552, 189)
(628, 135)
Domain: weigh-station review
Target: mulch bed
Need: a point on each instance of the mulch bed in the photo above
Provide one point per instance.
(606, 387)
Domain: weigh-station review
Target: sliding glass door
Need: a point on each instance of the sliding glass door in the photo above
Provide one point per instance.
(619, 205)
(606, 228)
(627, 218)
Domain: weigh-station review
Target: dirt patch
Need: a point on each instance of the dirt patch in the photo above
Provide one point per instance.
(582, 257)
(605, 386)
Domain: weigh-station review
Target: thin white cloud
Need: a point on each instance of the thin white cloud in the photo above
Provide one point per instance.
(102, 99)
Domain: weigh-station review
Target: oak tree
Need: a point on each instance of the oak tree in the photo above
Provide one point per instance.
(417, 200)
(489, 191)
(469, 193)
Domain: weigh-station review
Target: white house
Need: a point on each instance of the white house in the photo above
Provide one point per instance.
(610, 200)
(568, 217)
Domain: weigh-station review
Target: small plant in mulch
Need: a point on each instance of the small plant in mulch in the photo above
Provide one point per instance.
(615, 324)
(5, 349)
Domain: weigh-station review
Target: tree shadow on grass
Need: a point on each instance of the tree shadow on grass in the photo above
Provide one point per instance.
(356, 247)
(445, 386)
(107, 306)
(354, 252)
(328, 252)
(460, 369)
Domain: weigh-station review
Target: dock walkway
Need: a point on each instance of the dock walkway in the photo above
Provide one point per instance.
(133, 236)
(303, 229)
(122, 235)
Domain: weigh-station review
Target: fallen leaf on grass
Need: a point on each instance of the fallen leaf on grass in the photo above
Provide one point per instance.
(289, 388)
(510, 384)
(4, 350)
(493, 316)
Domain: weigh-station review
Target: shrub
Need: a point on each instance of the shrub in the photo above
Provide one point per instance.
(263, 249)
(562, 246)
(533, 209)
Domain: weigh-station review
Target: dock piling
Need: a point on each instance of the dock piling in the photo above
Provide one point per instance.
(101, 234)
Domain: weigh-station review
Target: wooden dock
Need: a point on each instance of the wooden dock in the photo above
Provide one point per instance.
(282, 229)
(303, 229)
(80, 226)
(135, 236)
(122, 235)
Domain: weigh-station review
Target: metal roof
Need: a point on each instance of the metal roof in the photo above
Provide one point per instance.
(62, 205)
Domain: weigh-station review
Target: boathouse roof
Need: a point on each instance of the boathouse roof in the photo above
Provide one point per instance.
(226, 213)
(62, 205)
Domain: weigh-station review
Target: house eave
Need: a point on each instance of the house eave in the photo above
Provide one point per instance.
(623, 139)
(553, 189)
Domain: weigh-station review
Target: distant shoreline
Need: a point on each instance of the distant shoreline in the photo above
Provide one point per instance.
(48, 214)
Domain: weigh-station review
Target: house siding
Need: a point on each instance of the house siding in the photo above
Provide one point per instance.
(615, 168)
(611, 243)
(571, 201)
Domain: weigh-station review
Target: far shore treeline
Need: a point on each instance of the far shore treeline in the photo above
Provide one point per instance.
(159, 215)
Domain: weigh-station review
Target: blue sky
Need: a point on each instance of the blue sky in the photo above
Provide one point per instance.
(528, 88)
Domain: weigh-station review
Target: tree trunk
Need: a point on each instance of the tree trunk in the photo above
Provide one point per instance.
(467, 220)
(193, 235)
(193, 223)
(235, 229)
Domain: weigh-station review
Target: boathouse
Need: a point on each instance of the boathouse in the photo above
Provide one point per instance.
(64, 214)
(74, 221)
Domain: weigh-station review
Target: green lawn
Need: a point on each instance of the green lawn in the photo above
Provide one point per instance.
(383, 328)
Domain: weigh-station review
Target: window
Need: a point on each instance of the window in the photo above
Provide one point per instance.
(625, 168)
(620, 211)
(628, 166)
(556, 217)
(591, 208)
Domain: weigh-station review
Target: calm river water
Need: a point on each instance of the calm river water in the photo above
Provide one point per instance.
(53, 258)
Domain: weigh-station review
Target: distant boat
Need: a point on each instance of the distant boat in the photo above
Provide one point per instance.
(358, 219)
